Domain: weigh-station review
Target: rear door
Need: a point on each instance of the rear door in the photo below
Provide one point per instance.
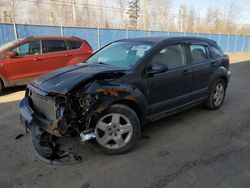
(172, 88)
(56, 54)
(203, 67)
(27, 65)
(75, 51)
(80, 50)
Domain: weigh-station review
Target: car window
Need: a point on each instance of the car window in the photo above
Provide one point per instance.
(173, 55)
(54, 46)
(198, 52)
(75, 44)
(215, 51)
(29, 48)
(121, 54)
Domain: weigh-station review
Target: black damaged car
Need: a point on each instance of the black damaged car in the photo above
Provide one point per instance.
(121, 87)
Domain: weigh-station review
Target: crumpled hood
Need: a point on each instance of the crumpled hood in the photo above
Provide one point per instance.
(65, 79)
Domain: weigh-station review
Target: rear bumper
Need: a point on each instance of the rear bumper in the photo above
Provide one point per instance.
(229, 75)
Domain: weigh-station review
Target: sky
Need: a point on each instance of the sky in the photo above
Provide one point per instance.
(202, 5)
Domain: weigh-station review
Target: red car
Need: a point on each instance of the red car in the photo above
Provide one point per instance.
(24, 59)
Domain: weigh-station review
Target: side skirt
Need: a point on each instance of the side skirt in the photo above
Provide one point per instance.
(175, 110)
(21, 82)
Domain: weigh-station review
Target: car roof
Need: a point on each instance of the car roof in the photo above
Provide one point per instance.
(161, 39)
(53, 37)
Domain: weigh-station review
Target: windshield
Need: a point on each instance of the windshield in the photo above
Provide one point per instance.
(9, 44)
(121, 54)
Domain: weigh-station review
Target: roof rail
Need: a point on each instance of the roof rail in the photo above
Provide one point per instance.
(76, 37)
(29, 37)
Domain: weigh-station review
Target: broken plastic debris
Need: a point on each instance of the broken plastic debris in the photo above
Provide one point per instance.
(87, 136)
(19, 136)
(47, 150)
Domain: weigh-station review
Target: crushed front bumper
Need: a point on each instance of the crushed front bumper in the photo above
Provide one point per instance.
(41, 131)
(26, 114)
(28, 118)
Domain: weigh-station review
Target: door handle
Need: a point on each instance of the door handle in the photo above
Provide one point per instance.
(36, 59)
(68, 55)
(213, 64)
(186, 71)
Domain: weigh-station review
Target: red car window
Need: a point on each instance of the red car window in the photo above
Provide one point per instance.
(29, 48)
(75, 44)
(54, 46)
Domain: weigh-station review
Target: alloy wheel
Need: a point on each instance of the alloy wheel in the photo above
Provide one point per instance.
(113, 131)
(218, 94)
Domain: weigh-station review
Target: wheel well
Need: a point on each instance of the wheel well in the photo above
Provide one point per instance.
(134, 106)
(224, 78)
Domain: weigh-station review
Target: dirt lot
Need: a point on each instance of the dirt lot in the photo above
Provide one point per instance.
(196, 148)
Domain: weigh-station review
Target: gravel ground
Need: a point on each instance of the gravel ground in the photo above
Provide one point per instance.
(196, 148)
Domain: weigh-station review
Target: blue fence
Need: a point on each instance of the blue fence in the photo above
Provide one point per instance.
(100, 37)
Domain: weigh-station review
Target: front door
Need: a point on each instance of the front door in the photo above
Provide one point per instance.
(172, 88)
(27, 65)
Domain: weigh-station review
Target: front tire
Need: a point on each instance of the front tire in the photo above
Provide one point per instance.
(217, 95)
(117, 129)
(1, 86)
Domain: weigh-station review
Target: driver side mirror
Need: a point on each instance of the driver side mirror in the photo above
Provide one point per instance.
(12, 54)
(156, 68)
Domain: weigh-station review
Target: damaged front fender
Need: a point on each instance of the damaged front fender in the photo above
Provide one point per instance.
(107, 94)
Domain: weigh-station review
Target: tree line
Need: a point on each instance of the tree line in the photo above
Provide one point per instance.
(124, 14)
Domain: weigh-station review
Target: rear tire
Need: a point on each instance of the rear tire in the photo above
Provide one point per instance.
(217, 95)
(117, 129)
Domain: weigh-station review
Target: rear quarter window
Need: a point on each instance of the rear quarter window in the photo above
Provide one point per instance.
(199, 52)
(215, 51)
(75, 44)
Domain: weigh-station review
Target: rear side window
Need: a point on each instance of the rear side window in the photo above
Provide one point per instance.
(216, 52)
(198, 52)
(173, 56)
(54, 46)
(75, 44)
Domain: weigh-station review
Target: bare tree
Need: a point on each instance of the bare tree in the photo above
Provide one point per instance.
(1, 12)
(122, 4)
(8, 10)
(133, 13)
(191, 20)
(183, 15)
(13, 10)
(39, 13)
(200, 26)
(244, 30)
(231, 16)
(83, 14)
(214, 20)
(160, 17)
(61, 14)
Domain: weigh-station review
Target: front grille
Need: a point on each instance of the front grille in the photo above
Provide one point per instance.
(43, 106)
